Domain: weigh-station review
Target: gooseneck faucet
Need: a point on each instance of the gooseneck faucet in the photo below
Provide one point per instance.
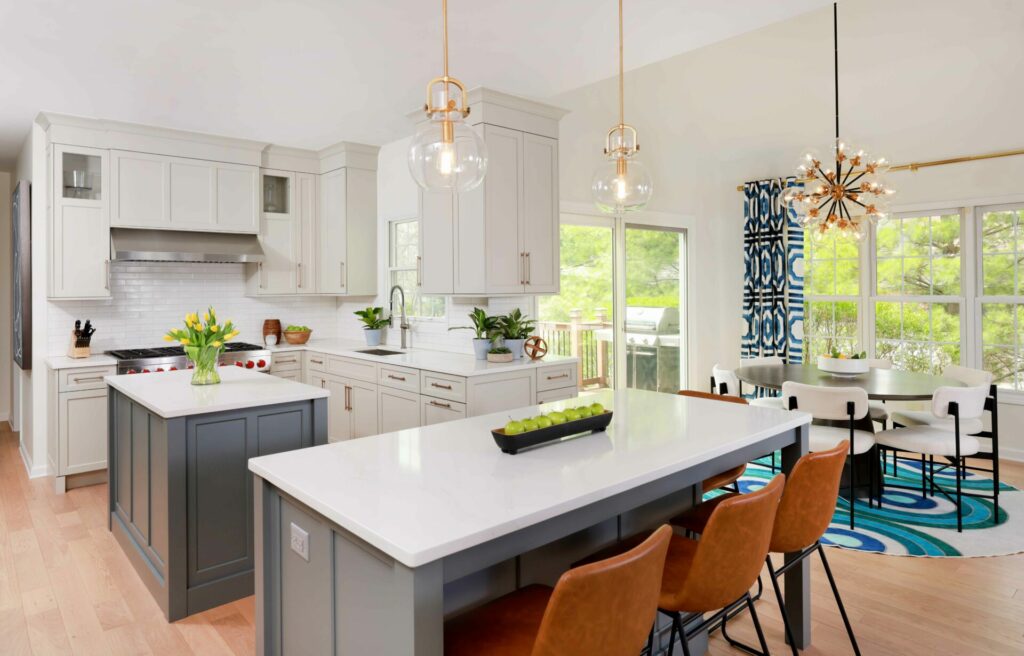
(404, 324)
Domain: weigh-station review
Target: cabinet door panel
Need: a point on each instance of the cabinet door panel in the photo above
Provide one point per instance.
(305, 221)
(237, 198)
(398, 410)
(280, 249)
(436, 411)
(437, 217)
(501, 392)
(540, 213)
(82, 251)
(338, 425)
(140, 190)
(361, 232)
(192, 194)
(83, 431)
(331, 233)
(502, 205)
(362, 408)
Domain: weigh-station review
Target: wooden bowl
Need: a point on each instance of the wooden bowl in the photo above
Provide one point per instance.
(297, 336)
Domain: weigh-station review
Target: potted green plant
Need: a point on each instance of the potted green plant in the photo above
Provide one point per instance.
(499, 354)
(484, 328)
(374, 322)
(515, 327)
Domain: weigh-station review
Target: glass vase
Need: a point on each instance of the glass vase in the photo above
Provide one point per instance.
(204, 362)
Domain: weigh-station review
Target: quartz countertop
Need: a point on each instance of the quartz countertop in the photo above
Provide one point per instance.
(64, 362)
(425, 493)
(455, 364)
(170, 394)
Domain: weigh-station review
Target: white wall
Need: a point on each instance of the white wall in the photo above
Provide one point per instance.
(6, 258)
(918, 80)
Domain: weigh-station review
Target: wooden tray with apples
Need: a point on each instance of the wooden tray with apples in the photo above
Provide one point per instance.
(521, 434)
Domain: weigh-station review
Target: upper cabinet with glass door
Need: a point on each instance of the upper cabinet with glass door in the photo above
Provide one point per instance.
(80, 228)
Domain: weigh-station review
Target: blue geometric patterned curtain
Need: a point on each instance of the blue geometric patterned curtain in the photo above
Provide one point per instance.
(773, 282)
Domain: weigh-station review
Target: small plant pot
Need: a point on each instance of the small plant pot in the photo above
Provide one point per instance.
(373, 336)
(516, 346)
(499, 357)
(481, 347)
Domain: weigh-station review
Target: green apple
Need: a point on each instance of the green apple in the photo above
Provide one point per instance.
(584, 411)
(571, 414)
(529, 425)
(543, 421)
(514, 428)
(596, 409)
(557, 417)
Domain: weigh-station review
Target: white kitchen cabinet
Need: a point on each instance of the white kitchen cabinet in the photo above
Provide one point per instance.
(351, 407)
(499, 392)
(278, 272)
(539, 221)
(305, 211)
(505, 266)
(398, 409)
(437, 411)
(559, 394)
(436, 259)
(179, 193)
(347, 232)
(79, 223)
(78, 442)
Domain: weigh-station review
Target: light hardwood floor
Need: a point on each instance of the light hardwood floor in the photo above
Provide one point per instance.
(66, 587)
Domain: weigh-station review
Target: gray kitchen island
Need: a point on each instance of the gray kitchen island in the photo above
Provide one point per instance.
(366, 546)
(181, 503)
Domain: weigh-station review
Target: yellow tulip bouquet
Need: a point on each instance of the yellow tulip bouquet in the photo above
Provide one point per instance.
(203, 341)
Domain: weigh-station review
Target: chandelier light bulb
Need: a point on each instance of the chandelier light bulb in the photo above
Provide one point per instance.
(621, 186)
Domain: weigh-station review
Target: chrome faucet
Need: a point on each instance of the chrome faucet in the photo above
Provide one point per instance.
(404, 325)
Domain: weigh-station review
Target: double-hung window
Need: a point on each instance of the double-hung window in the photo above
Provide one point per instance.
(403, 262)
(1001, 293)
(831, 293)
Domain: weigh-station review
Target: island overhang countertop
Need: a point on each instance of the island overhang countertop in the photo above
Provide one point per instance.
(425, 493)
(170, 394)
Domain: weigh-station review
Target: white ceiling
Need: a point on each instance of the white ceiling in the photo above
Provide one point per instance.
(309, 73)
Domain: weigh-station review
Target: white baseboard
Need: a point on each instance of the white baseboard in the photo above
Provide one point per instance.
(5, 416)
(1011, 454)
(33, 471)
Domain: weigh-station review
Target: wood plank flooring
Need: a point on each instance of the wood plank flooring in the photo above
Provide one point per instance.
(66, 588)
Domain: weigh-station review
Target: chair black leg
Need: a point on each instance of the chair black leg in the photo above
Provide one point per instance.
(757, 627)
(959, 498)
(672, 635)
(782, 607)
(649, 651)
(839, 600)
(924, 477)
(678, 621)
(853, 486)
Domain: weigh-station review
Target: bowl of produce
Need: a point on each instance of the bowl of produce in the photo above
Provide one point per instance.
(297, 334)
(521, 433)
(844, 364)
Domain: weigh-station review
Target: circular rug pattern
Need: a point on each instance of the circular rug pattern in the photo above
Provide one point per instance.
(911, 524)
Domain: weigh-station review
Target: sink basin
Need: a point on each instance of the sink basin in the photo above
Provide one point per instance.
(377, 351)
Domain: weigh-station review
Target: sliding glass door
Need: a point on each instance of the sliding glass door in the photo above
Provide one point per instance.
(621, 309)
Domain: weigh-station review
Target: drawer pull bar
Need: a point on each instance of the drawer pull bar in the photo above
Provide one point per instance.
(283, 361)
(441, 405)
(316, 361)
(558, 376)
(392, 377)
(91, 379)
(440, 386)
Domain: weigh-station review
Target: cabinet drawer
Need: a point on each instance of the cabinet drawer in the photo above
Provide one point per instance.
(287, 361)
(436, 411)
(560, 394)
(562, 375)
(442, 386)
(85, 378)
(295, 375)
(316, 361)
(400, 378)
(352, 368)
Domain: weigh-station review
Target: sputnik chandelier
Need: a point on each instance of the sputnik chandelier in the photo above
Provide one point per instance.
(845, 197)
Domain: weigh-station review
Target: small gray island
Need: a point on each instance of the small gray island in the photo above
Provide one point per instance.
(181, 500)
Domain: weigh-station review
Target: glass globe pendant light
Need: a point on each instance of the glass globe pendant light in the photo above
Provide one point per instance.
(621, 183)
(446, 154)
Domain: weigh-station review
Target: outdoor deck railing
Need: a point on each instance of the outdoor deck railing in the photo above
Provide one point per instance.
(580, 339)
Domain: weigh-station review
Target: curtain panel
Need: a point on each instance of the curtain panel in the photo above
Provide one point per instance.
(773, 281)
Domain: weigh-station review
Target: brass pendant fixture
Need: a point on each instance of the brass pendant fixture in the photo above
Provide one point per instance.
(848, 196)
(446, 154)
(621, 183)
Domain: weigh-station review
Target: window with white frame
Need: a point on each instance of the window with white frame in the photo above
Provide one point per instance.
(919, 299)
(1001, 293)
(403, 261)
(831, 293)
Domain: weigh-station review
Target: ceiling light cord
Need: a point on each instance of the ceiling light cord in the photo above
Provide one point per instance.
(622, 111)
(835, 51)
(444, 40)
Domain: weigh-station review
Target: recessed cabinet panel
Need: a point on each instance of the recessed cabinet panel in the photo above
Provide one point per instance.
(79, 264)
(140, 196)
(192, 194)
(436, 232)
(332, 232)
(540, 214)
(237, 198)
(305, 218)
(83, 431)
(280, 238)
(502, 200)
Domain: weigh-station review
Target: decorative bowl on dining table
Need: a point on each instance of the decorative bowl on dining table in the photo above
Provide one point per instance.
(843, 366)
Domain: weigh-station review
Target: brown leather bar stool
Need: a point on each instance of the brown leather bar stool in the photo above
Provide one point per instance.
(805, 511)
(606, 607)
(730, 476)
(716, 573)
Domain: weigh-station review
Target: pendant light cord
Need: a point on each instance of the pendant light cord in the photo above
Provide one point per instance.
(622, 112)
(444, 13)
(835, 50)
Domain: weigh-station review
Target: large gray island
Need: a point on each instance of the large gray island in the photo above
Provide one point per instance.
(181, 503)
(366, 546)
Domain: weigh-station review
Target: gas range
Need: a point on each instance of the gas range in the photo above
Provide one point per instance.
(172, 358)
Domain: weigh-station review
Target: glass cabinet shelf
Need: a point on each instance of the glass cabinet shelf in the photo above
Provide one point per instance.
(275, 194)
(83, 176)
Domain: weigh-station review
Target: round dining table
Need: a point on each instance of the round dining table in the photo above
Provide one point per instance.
(880, 384)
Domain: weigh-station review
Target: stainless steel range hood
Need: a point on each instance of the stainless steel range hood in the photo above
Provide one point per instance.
(133, 245)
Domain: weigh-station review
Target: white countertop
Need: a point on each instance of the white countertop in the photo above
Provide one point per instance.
(64, 362)
(455, 364)
(170, 394)
(425, 493)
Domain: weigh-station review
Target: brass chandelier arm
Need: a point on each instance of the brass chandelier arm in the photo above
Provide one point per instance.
(914, 166)
(449, 104)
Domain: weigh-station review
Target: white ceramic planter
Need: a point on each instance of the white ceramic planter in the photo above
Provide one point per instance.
(843, 367)
(481, 347)
(373, 336)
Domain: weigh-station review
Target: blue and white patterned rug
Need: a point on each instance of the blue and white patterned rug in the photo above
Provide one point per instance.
(909, 524)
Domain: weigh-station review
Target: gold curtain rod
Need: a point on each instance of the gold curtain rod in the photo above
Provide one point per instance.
(914, 166)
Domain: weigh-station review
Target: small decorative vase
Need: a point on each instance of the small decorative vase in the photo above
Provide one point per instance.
(204, 361)
(481, 347)
(516, 346)
(372, 336)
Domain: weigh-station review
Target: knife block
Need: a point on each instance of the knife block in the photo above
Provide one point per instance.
(78, 352)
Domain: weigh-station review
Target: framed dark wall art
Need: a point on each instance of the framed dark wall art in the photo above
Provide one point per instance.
(21, 274)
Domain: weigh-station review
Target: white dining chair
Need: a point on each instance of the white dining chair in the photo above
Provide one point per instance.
(878, 411)
(725, 381)
(955, 407)
(967, 376)
(835, 404)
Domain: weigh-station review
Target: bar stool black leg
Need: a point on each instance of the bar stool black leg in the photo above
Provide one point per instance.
(782, 607)
(839, 600)
(757, 626)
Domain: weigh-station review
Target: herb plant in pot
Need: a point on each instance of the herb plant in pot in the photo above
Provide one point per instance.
(374, 322)
(499, 354)
(515, 328)
(484, 328)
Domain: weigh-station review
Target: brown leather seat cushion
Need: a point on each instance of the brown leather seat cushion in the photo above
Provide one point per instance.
(506, 626)
(696, 518)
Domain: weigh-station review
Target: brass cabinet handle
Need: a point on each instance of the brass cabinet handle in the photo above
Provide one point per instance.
(106, 264)
(441, 405)
(90, 379)
(529, 270)
(259, 274)
(558, 376)
(341, 274)
(348, 397)
(299, 268)
(522, 268)
(283, 361)
(393, 377)
(316, 361)
(440, 386)
(323, 383)
(419, 271)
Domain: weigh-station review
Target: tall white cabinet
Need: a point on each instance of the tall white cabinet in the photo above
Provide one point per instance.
(80, 223)
(502, 237)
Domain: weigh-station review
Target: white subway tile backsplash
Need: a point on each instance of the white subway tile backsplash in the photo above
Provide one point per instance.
(147, 299)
